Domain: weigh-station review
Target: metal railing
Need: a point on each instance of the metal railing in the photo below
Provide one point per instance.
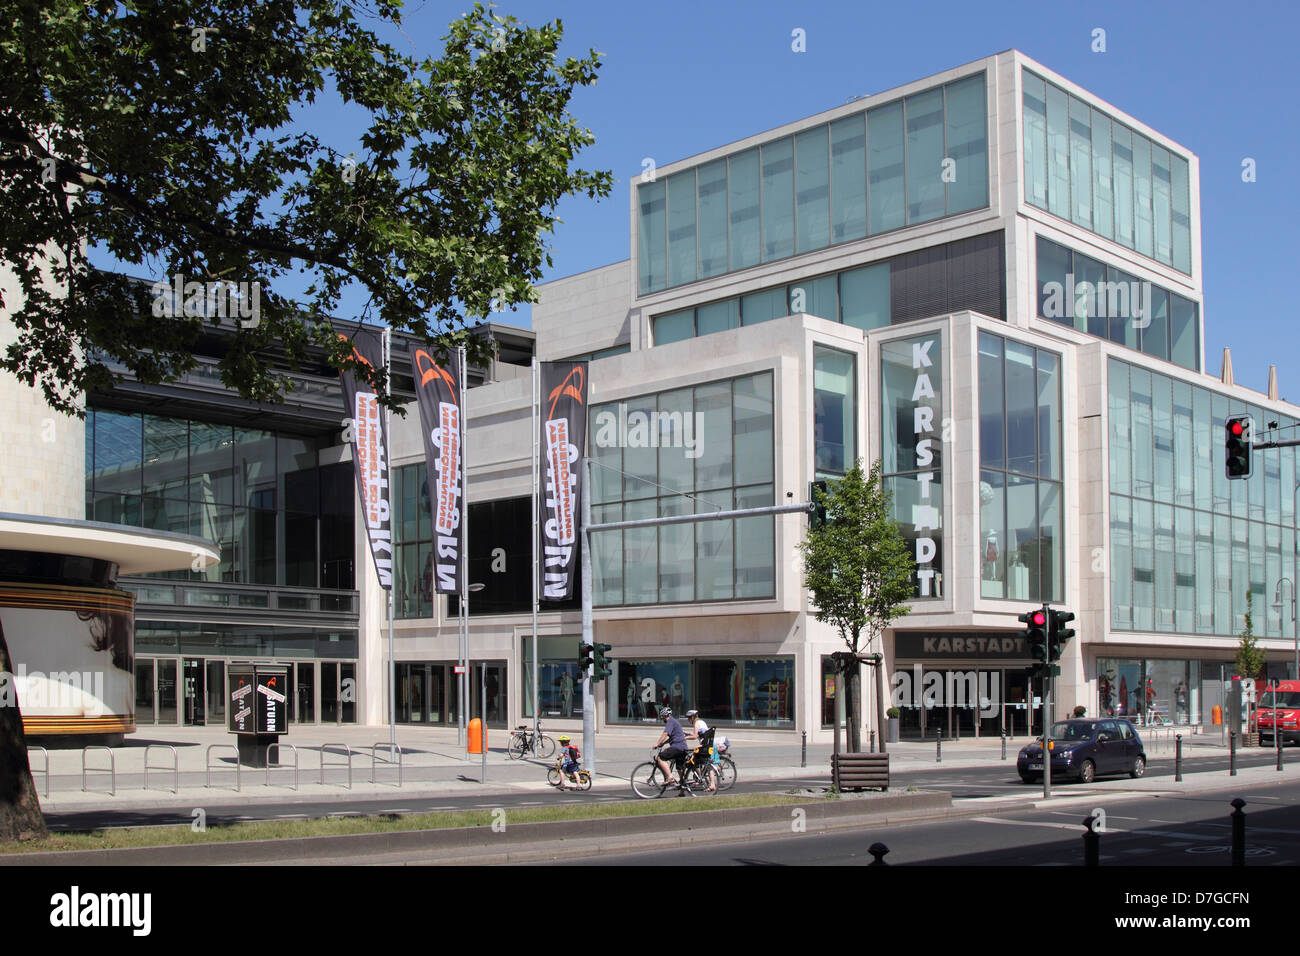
(175, 768)
(111, 769)
(394, 757)
(324, 748)
(45, 770)
(276, 747)
(207, 760)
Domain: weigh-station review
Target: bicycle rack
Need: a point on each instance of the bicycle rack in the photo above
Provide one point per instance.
(207, 759)
(347, 750)
(45, 770)
(394, 750)
(276, 747)
(110, 769)
(175, 768)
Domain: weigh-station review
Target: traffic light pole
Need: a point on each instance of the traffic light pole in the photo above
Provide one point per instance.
(1047, 708)
(588, 637)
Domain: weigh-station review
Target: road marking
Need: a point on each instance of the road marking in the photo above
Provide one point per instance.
(1035, 823)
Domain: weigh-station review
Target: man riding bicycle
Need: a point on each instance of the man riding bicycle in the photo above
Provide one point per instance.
(675, 737)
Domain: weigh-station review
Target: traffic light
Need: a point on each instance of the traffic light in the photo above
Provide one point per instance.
(1057, 637)
(586, 656)
(1035, 622)
(817, 491)
(602, 663)
(1239, 434)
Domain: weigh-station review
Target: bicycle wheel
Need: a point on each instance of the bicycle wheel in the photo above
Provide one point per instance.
(584, 780)
(648, 780)
(517, 746)
(708, 779)
(553, 776)
(546, 747)
(726, 773)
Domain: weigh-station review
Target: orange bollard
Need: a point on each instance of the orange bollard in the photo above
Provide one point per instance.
(477, 739)
(1216, 715)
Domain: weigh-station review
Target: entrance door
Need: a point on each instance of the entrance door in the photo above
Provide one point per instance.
(167, 712)
(216, 677)
(195, 697)
(144, 691)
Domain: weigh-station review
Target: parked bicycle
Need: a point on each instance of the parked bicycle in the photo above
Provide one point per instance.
(556, 778)
(523, 740)
(695, 772)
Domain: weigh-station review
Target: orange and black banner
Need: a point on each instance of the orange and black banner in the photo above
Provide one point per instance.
(438, 391)
(562, 446)
(370, 452)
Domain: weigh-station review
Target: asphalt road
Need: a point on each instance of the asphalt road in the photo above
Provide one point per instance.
(1148, 830)
(963, 782)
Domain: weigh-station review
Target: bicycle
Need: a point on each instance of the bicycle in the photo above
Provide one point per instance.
(523, 740)
(726, 772)
(694, 772)
(556, 777)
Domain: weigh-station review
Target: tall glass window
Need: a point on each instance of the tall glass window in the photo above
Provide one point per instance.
(849, 178)
(1021, 550)
(812, 189)
(778, 199)
(1081, 162)
(834, 411)
(966, 144)
(925, 156)
(885, 168)
(707, 448)
(711, 198)
(681, 228)
(652, 237)
(1035, 147)
(743, 208)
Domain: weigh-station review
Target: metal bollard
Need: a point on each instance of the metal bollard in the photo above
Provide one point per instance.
(938, 745)
(1277, 741)
(1091, 842)
(1004, 745)
(878, 851)
(1238, 832)
(803, 756)
(1178, 760)
(1232, 753)
(873, 741)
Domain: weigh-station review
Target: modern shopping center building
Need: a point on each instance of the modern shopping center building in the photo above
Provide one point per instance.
(988, 279)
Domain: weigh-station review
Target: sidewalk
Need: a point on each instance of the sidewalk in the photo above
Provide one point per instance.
(433, 765)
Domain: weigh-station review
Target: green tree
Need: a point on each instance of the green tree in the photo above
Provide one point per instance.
(859, 569)
(156, 132)
(1250, 659)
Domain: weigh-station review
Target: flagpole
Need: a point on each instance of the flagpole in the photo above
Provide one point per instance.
(537, 704)
(464, 566)
(388, 470)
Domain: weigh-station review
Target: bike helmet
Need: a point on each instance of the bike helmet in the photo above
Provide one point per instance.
(564, 738)
(692, 713)
(665, 713)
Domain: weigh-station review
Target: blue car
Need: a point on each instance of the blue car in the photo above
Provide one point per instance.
(1086, 749)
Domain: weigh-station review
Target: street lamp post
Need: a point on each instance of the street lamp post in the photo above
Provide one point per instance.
(1277, 606)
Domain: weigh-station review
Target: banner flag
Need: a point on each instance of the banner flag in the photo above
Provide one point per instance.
(438, 392)
(561, 449)
(370, 452)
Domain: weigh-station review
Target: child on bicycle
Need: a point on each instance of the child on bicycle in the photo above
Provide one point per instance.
(570, 754)
(697, 733)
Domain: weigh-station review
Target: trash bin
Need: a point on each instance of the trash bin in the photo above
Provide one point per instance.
(477, 737)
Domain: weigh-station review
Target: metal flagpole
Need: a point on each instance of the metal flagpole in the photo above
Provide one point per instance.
(388, 470)
(588, 635)
(464, 568)
(537, 704)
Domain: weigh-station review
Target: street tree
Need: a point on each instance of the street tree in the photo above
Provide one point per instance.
(174, 137)
(1249, 658)
(859, 569)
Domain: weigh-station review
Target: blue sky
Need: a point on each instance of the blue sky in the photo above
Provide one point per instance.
(683, 77)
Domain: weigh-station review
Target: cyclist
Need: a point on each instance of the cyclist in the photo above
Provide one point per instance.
(675, 737)
(570, 755)
(697, 733)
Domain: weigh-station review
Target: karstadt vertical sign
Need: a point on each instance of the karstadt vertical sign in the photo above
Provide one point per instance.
(562, 446)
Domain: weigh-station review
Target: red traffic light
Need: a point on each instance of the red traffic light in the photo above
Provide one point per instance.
(1039, 619)
(1237, 428)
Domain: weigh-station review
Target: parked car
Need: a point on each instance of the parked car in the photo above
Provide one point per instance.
(1285, 712)
(1086, 749)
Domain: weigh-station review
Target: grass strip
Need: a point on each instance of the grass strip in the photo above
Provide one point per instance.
(182, 834)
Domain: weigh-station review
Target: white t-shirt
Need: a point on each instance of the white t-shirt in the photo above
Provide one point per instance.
(701, 728)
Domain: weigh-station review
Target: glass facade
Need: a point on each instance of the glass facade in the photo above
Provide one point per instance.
(1187, 544)
(756, 692)
(1084, 166)
(1152, 692)
(1099, 299)
(967, 274)
(911, 161)
(911, 377)
(708, 447)
(279, 518)
(1021, 544)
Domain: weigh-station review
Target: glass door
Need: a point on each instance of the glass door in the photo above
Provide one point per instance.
(144, 692)
(194, 696)
(306, 694)
(167, 711)
(216, 692)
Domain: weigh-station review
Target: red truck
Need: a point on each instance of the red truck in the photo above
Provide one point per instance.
(1281, 715)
